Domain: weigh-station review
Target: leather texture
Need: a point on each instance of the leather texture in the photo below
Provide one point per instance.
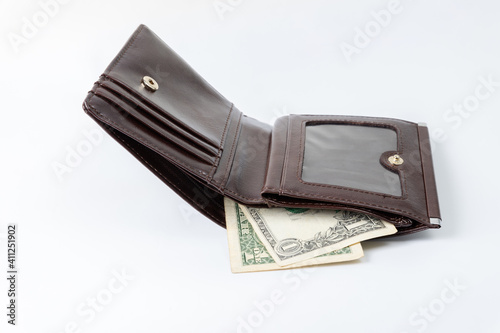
(204, 148)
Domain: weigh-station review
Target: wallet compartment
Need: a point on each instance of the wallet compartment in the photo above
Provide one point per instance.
(342, 162)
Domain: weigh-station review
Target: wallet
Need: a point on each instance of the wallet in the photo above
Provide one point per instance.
(197, 142)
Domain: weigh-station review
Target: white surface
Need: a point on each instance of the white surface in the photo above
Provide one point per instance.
(270, 58)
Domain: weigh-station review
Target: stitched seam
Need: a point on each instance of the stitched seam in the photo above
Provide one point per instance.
(397, 221)
(161, 174)
(231, 157)
(398, 131)
(270, 188)
(340, 119)
(243, 197)
(221, 142)
(345, 200)
(285, 158)
(423, 172)
(144, 140)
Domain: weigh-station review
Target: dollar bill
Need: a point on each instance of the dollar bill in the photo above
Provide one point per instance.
(248, 254)
(291, 235)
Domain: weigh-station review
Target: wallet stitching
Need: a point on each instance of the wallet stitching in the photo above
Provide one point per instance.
(340, 204)
(221, 141)
(231, 157)
(285, 158)
(142, 139)
(241, 196)
(423, 173)
(162, 176)
(389, 126)
(346, 200)
(344, 118)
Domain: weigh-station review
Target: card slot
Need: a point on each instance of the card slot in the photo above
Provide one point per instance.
(137, 120)
(161, 116)
(154, 119)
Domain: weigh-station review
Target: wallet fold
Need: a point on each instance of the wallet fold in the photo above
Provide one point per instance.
(198, 143)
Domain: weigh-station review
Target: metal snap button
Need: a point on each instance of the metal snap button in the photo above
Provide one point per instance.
(395, 159)
(150, 83)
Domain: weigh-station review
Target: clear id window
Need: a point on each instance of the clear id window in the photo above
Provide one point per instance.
(349, 156)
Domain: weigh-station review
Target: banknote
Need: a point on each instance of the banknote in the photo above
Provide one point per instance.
(291, 235)
(248, 254)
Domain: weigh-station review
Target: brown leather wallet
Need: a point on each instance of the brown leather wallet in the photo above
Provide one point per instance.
(204, 148)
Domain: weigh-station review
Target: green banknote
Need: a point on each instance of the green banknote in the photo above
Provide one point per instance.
(248, 254)
(293, 235)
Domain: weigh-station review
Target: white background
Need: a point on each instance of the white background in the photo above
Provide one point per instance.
(270, 58)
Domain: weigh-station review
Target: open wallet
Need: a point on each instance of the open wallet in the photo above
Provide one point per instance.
(198, 143)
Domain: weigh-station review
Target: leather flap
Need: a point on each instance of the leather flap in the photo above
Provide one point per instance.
(184, 120)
